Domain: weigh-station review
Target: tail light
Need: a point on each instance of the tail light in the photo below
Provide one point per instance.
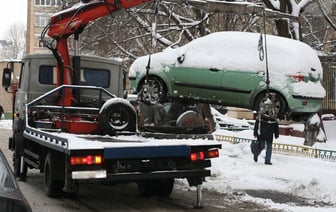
(86, 160)
(213, 153)
(197, 156)
(297, 77)
(204, 155)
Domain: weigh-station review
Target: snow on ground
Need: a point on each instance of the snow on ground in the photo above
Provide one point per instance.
(309, 178)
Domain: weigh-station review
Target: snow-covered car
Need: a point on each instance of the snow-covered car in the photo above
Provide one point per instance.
(225, 68)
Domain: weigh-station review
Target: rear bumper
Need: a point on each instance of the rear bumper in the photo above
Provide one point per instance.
(300, 104)
(101, 175)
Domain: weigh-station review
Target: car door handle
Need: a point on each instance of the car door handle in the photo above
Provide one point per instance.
(214, 69)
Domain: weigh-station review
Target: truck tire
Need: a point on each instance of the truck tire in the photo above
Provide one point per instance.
(18, 153)
(118, 115)
(159, 187)
(52, 186)
(165, 187)
(147, 188)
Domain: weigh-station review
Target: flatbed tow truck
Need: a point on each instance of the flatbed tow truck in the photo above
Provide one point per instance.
(71, 122)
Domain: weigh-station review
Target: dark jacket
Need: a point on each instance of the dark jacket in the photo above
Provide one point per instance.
(267, 130)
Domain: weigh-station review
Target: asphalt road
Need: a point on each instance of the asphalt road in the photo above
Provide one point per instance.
(123, 197)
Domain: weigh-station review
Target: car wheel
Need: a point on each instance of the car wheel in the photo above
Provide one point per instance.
(117, 116)
(52, 185)
(153, 91)
(279, 104)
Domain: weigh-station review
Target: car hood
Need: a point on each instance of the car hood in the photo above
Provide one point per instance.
(235, 51)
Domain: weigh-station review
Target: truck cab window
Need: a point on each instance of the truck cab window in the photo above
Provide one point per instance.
(95, 77)
(47, 75)
(88, 76)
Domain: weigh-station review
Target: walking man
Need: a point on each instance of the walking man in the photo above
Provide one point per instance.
(265, 127)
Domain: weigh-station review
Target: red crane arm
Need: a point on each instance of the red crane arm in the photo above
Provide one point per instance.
(72, 21)
(69, 21)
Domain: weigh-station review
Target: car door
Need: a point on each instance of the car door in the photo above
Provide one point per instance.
(196, 83)
(238, 87)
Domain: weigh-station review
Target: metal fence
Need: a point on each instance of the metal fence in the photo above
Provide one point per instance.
(329, 83)
(288, 149)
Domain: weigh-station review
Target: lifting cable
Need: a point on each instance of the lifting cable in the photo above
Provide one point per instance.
(262, 47)
(152, 49)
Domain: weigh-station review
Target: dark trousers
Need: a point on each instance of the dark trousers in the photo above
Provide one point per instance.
(261, 146)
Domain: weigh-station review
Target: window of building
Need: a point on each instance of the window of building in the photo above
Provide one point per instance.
(41, 20)
(48, 2)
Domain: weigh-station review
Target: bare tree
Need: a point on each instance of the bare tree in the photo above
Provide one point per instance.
(169, 23)
(16, 41)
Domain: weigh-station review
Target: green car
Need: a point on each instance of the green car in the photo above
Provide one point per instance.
(229, 68)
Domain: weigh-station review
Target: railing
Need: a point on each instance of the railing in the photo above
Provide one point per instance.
(295, 150)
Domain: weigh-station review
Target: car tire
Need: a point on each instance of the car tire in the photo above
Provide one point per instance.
(117, 116)
(280, 104)
(153, 91)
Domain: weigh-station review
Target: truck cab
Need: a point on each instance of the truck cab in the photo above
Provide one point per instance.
(40, 101)
(38, 76)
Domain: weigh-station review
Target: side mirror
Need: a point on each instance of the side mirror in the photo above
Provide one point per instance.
(6, 77)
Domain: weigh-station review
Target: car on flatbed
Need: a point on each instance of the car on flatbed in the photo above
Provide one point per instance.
(224, 68)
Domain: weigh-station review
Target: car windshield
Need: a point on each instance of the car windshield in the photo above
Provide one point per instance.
(5, 179)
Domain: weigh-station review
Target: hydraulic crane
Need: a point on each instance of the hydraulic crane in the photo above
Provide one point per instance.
(72, 21)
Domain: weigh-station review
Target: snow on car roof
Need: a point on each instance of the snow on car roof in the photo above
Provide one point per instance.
(235, 51)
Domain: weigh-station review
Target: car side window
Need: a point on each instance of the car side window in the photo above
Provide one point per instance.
(5, 180)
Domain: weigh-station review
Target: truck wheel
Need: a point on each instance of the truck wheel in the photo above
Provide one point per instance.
(147, 188)
(165, 187)
(72, 193)
(52, 186)
(18, 152)
(117, 116)
(160, 187)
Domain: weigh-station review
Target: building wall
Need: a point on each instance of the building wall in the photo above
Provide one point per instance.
(6, 98)
(34, 26)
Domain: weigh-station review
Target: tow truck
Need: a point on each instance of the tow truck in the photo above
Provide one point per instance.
(71, 122)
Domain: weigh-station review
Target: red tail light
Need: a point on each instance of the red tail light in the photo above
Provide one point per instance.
(86, 160)
(297, 77)
(204, 155)
(213, 153)
(197, 156)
